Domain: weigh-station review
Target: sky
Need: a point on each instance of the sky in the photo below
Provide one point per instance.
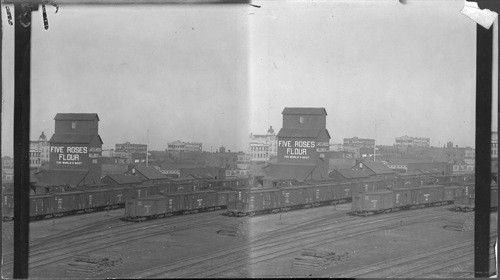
(215, 74)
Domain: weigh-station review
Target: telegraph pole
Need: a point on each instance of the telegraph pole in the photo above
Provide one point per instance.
(22, 98)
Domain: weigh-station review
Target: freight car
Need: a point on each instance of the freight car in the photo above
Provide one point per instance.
(273, 200)
(383, 201)
(466, 200)
(106, 197)
(48, 206)
(160, 206)
(73, 201)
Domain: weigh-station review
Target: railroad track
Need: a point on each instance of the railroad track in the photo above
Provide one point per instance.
(417, 264)
(431, 270)
(108, 238)
(92, 227)
(215, 263)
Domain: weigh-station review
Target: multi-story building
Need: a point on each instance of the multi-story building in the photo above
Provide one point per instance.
(303, 144)
(127, 147)
(7, 169)
(42, 145)
(75, 151)
(407, 141)
(35, 159)
(470, 152)
(263, 146)
(179, 146)
(7, 162)
(359, 142)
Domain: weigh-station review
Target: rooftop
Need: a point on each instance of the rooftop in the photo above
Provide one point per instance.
(304, 111)
(378, 167)
(76, 117)
(58, 177)
(149, 172)
(73, 138)
(351, 174)
(123, 179)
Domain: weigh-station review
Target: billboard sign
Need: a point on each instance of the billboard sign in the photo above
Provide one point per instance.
(297, 149)
(73, 156)
(69, 155)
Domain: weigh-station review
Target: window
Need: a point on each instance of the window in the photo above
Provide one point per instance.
(73, 125)
(301, 119)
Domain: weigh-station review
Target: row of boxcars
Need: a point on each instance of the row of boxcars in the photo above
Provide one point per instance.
(252, 201)
(383, 201)
(191, 195)
(164, 205)
(51, 205)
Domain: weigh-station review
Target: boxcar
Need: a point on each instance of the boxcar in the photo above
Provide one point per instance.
(155, 206)
(116, 197)
(255, 201)
(223, 197)
(426, 195)
(41, 206)
(322, 193)
(451, 192)
(199, 201)
(402, 198)
(367, 203)
(142, 208)
(68, 202)
(96, 199)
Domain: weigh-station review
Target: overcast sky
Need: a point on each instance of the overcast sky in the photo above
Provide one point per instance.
(213, 74)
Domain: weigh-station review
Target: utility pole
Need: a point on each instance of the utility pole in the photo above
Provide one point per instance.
(22, 100)
(374, 145)
(147, 147)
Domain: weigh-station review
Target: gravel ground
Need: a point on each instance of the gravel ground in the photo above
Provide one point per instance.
(170, 247)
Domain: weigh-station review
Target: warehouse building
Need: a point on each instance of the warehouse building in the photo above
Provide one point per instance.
(303, 144)
(75, 149)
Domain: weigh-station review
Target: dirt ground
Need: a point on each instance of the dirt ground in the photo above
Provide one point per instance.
(169, 247)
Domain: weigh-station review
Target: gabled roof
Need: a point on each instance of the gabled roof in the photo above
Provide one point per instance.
(58, 177)
(123, 179)
(288, 171)
(201, 176)
(76, 117)
(73, 138)
(150, 173)
(301, 133)
(378, 167)
(351, 174)
(304, 111)
(430, 171)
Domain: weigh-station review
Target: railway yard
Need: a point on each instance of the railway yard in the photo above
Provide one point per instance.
(327, 241)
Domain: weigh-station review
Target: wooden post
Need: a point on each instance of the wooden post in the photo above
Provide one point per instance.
(484, 56)
(22, 34)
